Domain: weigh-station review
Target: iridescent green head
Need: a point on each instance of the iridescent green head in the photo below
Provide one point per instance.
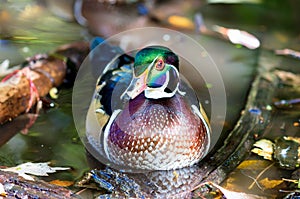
(155, 72)
(149, 54)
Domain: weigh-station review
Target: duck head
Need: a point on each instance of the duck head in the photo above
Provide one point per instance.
(155, 72)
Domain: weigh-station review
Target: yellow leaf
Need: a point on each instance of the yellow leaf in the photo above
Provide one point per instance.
(253, 164)
(181, 22)
(270, 184)
(62, 183)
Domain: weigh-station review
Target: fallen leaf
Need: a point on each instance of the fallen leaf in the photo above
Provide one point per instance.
(37, 169)
(5, 69)
(2, 191)
(270, 184)
(295, 139)
(62, 183)
(236, 195)
(264, 148)
(253, 164)
(181, 22)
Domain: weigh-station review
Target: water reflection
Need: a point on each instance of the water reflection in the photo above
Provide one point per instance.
(177, 183)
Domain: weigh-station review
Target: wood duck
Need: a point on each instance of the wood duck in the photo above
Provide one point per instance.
(150, 118)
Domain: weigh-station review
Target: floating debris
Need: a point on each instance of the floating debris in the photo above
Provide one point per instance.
(199, 22)
(289, 78)
(37, 169)
(48, 103)
(2, 191)
(180, 22)
(233, 194)
(293, 195)
(53, 93)
(5, 69)
(284, 150)
(287, 103)
(269, 108)
(265, 148)
(237, 36)
(255, 111)
(62, 183)
(288, 52)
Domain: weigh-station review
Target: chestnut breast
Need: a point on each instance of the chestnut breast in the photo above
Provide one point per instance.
(157, 134)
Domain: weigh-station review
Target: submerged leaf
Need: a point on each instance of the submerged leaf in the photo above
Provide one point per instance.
(270, 184)
(37, 169)
(253, 164)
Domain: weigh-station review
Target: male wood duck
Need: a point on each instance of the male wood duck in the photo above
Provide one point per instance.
(150, 118)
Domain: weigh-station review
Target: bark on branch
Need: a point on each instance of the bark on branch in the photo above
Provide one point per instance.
(17, 187)
(17, 91)
(41, 74)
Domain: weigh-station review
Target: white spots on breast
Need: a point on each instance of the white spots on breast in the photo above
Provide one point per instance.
(159, 140)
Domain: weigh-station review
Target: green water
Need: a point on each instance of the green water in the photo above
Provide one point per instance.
(31, 28)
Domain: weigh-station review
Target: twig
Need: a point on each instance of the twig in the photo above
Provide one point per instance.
(260, 174)
(254, 180)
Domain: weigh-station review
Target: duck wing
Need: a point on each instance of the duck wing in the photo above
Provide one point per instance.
(113, 83)
(113, 80)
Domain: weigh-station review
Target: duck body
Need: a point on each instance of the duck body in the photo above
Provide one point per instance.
(156, 134)
(154, 126)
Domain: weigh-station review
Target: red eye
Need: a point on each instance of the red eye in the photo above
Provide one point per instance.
(160, 64)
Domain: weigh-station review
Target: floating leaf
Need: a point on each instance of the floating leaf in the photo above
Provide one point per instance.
(237, 36)
(236, 195)
(181, 22)
(62, 183)
(4, 68)
(295, 139)
(253, 164)
(270, 184)
(265, 148)
(37, 169)
(2, 191)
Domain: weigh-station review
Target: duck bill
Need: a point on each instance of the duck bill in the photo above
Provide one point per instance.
(137, 86)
